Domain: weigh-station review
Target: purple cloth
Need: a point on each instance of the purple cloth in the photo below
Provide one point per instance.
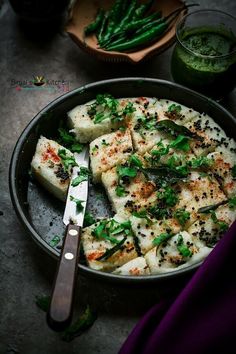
(202, 319)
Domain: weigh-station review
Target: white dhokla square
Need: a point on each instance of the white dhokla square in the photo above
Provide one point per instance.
(146, 231)
(108, 151)
(199, 191)
(177, 252)
(224, 160)
(210, 229)
(83, 126)
(48, 169)
(102, 237)
(210, 132)
(136, 266)
(137, 191)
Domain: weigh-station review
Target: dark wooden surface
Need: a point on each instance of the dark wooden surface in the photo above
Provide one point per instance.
(25, 271)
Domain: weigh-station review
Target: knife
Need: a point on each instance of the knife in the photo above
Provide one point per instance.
(60, 310)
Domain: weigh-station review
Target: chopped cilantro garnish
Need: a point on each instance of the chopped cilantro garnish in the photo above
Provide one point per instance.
(104, 143)
(234, 171)
(54, 241)
(124, 171)
(95, 148)
(223, 226)
(78, 202)
(159, 212)
(107, 229)
(160, 150)
(162, 238)
(67, 161)
(168, 196)
(84, 173)
(232, 202)
(182, 216)
(84, 322)
(182, 248)
(142, 215)
(88, 219)
(180, 143)
(68, 140)
(135, 161)
(174, 108)
(201, 161)
(107, 107)
(120, 191)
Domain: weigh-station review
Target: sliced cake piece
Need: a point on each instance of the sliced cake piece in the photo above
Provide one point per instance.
(199, 191)
(108, 244)
(136, 266)
(174, 253)
(211, 133)
(126, 192)
(147, 229)
(49, 169)
(212, 225)
(108, 151)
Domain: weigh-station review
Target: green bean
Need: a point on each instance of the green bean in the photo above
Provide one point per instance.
(144, 38)
(92, 27)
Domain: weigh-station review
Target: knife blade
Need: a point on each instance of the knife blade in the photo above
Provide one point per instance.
(61, 305)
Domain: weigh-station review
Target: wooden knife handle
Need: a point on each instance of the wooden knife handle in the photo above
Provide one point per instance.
(60, 311)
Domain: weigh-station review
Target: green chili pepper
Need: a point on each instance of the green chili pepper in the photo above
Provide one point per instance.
(112, 19)
(142, 9)
(92, 27)
(137, 23)
(126, 19)
(102, 28)
(141, 39)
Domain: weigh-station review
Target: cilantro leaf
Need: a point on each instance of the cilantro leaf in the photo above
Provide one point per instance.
(180, 143)
(120, 191)
(168, 196)
(232, 202)
(43, 302)
(84, 322)
(182, 248)
(201, 161)
(233, 171)
(54, 241)
(162, 238)
(67, 161)
(84, 173)
(142, 215)
(182, 216)
(135, 161)
(78, 202)
(66, 137)
(88, 219)
(174, 108)
(124, 171)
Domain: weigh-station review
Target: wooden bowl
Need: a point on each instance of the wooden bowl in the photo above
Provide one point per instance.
(84, 12)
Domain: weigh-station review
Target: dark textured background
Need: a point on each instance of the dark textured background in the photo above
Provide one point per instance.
(24, 270)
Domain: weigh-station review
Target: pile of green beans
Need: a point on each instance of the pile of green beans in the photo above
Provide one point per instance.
(127, 26)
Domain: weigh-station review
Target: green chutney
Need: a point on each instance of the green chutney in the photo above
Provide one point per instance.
(205, 60)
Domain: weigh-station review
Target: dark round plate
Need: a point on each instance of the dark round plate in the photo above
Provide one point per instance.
(39, 212)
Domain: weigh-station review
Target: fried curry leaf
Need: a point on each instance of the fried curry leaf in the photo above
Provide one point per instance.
(164, 173)
(111, 251)
(209, 208)
(169, 127)
(233, 171)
